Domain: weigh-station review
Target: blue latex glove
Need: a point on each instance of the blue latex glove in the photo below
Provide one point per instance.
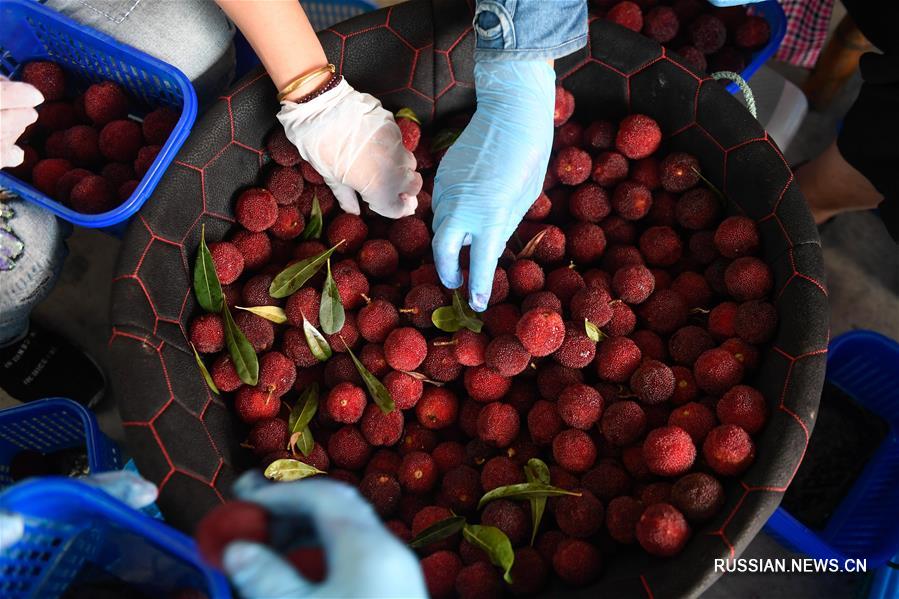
(364, 559)
(493, 172)
(732, 2)
(127, 487)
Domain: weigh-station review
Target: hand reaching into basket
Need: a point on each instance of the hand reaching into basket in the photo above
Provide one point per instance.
(17, 102)
(356, 145)
(364, 559)
(493, 172)
(346, 136)
(127, 487)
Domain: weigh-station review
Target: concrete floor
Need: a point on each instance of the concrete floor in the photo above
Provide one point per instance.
(861, 261)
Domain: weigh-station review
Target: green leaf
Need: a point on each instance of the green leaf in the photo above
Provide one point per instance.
(303, 441)
(446, 319)
(468, 318)
(207, 286)
(376, 389)
(295, 276)
(204, 371)
(438, 531)
(241, 350)
(330, 312)
(407, 113)
(494, 543)
(444, 139)
(593, 331)
(303, 410)
(523, 491)
(270, 313)
(318, 345)
(287, 470)
(313, 229)
(536, 471)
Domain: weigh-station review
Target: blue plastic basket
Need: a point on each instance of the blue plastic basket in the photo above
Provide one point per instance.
(69, 525)
(50, 425)
(773, 12)
(865, 366)
(31, 31)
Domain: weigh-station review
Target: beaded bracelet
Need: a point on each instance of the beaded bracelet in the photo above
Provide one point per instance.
(299, 81)
(334, 80)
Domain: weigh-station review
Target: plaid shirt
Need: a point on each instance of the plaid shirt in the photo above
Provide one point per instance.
(807, 28)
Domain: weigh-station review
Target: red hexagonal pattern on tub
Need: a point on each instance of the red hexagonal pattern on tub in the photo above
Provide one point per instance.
(185, 439)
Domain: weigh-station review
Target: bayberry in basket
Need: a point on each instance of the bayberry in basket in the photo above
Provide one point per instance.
(755, 321)
(120, 140)
(662, 530)
(609, 168)
(418, 472)
(697, 209)
(743, 406)
(572, 165)
(506, 355)
(207, 333)
(268, 436)
(688, 343)
(638, 136)
(510, 517)
(438, 408)
(754, 32)
(661, 246)
(717, 370)
(543, 422)
(736, 236)
(478, 581)
(440, 570)
(631, 200)
(253, 404)
(48, 172)
(564, 106)
(668, 451)
(708, 34)
(498, 424)
(105, 102)
(728, 450)
(661, 24)
(627, 14)
(679, 172)
(232, 521)
(500, 471)
(540, 331)
(92, 195)
(585, 242)
(47, 77)
(623, 422)
(256, 209)
(577, 562)
(405, 348)
(159, 124)
(574, 450)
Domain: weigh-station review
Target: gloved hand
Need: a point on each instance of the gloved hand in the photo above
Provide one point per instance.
(127, 487)
(732, 2)
(17, 102)
(364, 559)
(355, 145)
(493, 172)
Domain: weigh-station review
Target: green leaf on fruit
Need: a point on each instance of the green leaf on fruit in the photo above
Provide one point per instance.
(494, 543)
(330, 312)
(318, 345)
(303, 410)
(207, 286)
(270, 313)
(524, 491)
(593, 331)
(289, 280)
(313, 229)
(376, 389)
(536, 471)
(438, 531)
(446, 319)
(468, 318)
(531, 247)
(407, 113)
(444, 139)
(286, 470)
(241, 350)
(204, 371)
(301, 440)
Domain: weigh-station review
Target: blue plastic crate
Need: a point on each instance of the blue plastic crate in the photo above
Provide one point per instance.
(773, 12)
(50, 425)
(70, 528)
(30, 31)
(865, 366)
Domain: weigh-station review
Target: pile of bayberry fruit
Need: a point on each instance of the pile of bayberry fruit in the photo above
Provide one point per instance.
(87, 150)
(598, 403)
(709, 38)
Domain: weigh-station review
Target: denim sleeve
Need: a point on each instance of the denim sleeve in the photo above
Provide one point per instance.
(529, 29)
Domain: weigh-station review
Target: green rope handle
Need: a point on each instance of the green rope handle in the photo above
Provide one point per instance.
(744, 88)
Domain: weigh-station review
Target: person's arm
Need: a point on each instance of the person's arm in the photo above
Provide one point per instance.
(494, 171)
(345, 135)
(282, 37)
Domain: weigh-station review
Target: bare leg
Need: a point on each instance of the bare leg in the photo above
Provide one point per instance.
(832, 186)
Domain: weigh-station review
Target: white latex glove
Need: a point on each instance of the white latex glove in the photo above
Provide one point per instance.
(355, 144)
(17, 102)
